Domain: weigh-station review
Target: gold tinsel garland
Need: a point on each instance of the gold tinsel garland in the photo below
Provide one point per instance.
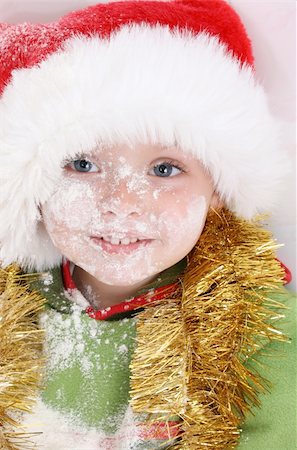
(192, 349)
(20, 355)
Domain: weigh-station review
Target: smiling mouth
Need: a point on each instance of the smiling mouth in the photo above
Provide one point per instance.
(121, 247)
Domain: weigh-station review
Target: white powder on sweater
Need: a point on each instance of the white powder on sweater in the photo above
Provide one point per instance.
(77, 297)
(64, 337)
(64, 343)
(47, 278)
(59, 432)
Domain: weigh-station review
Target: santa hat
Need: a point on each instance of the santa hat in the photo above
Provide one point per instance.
(176, 72)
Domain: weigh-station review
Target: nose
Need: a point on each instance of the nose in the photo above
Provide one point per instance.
(120, 201)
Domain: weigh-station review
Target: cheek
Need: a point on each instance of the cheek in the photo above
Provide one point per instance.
(183, 221)
(69, 208)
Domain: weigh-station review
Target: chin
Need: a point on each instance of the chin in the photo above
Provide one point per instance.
(124, 280)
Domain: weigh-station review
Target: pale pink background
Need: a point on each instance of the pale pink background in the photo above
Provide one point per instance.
(272, 28)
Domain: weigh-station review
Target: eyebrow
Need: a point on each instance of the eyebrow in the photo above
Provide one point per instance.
(93, 153)
(172, 146)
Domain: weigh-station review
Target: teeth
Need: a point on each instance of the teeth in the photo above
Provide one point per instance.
(116, 241)
(127, 241)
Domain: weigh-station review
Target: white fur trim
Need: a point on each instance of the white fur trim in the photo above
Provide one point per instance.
(144, 84)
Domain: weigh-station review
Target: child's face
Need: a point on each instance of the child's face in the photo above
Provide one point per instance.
(138, 192)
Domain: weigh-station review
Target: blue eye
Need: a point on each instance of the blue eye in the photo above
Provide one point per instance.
(166, 168)
(83, 165)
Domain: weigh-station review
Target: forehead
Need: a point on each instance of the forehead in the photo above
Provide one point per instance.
(138, 150)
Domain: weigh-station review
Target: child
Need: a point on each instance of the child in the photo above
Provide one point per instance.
(136, 147)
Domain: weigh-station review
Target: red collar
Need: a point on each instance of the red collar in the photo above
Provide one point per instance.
(287, 273)
(141, 300)
(123, 307)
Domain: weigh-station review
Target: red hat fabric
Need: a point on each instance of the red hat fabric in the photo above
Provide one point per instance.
(26, 45)
(178, 72)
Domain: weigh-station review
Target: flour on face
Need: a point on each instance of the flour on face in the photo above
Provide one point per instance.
(121, 197)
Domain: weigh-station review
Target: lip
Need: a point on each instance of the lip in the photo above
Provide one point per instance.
(120, 248)
(121, 235)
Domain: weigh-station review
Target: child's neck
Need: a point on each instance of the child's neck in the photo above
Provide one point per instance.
(101, 295)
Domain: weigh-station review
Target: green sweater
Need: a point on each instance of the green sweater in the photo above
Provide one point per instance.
(87, 374)
(273, 426)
